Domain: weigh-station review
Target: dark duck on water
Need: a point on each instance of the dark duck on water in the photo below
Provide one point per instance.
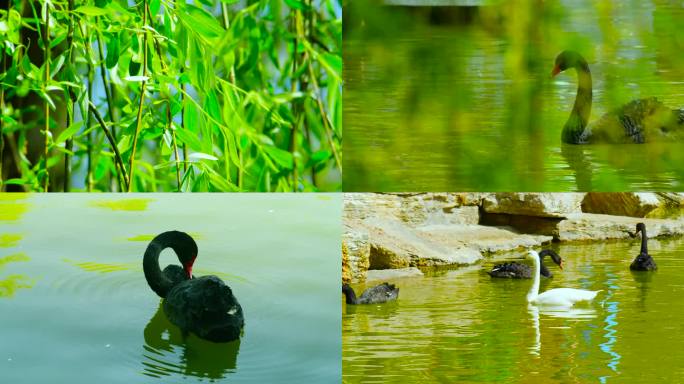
(639, 121)
(204, 305)
(376, 295)
(644, 261)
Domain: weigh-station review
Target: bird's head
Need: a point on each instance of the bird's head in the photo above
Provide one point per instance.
(567, 59)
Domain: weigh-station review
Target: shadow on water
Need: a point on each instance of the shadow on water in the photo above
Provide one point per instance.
(169, 351)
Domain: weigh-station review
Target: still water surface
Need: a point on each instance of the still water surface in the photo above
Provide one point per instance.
(75, 306)
(468, 103)
(463, 326)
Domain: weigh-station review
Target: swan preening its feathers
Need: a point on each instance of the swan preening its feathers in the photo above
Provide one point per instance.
(644, 261)
(559, 297)
(204, 305)
(639, 121)
(515, 270)
(376, 295)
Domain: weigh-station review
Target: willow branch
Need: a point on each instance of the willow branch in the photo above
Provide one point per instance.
(2, 110)
(324, 115)
(231, 79)
(185, 147)
(68, 145)
(106, 84)
(138, 124)
(112, 142)
(46, 42)
(168, 110)
(296, 110)
(305, 86)
(89, 172)
(175, 146)
(226, 25)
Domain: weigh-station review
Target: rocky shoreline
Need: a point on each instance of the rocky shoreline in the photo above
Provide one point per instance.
(390, 235)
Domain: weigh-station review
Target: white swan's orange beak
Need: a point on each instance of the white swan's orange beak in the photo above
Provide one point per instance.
(556, 70)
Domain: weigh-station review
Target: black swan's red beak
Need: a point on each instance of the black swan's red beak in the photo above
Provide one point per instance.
(188, 267)
(556, 70)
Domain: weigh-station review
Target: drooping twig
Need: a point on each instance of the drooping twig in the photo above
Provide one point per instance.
(168, 107)
(231, 79)
(226, 25)
(2, 109)
(175, 146)
(305, 85)
(296, 110)
(185, 146)
(122, 175)
(86, 113)
(324, 116)
(105, 83)
(89, 172)
(68, 145)
(138, 124)
(46, 42)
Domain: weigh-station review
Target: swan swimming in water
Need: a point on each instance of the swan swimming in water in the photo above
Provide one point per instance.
(559, 297)
(202, 305)
(644, 261)
(516, 270)
(377, 295)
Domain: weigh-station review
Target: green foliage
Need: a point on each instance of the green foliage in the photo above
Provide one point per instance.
(167, 95)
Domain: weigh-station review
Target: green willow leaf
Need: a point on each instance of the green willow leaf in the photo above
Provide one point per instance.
(91, 10)
(200, 22)
(295, 4)
(69, 132)
(112, 52)
(281, 157)
(189, 138)
(155, 5)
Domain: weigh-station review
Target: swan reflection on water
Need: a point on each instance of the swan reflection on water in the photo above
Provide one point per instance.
(555, 312)
(169, 352)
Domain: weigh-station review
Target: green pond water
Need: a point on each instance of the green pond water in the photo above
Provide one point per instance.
(75, 306)
(461, 98)
(461, 326)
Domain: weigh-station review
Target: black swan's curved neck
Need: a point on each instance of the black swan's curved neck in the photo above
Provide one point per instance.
(185, 249)
(349, 294)
(644, 239)
(579, 117)
(542, 268)
(547, 252)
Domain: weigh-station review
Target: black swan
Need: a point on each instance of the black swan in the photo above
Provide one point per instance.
(523, 271)
(377, 295)
(204, 305)
(639, 121)
(643, 262)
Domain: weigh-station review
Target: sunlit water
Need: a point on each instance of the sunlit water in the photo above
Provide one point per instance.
(75, 306)
(470, 105)
(462, 326)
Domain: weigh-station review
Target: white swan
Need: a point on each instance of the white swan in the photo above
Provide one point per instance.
(559, 297)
